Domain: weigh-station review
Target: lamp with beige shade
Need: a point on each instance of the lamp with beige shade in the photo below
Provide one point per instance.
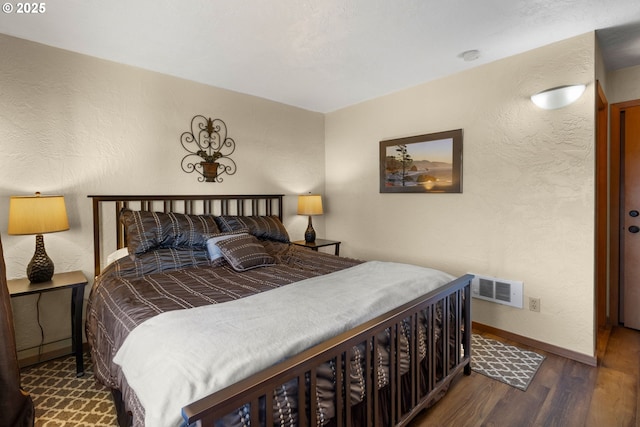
(38, 214)
(310, 205)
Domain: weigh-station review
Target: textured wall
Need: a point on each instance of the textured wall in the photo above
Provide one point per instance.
(77, 125)
(624, 85)
(527, 207)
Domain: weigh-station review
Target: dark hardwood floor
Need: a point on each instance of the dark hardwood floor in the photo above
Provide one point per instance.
(563, 393)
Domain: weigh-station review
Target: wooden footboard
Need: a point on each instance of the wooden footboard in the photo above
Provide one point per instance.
(412, 385)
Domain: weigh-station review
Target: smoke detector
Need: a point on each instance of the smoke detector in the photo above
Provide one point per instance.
(470, 55)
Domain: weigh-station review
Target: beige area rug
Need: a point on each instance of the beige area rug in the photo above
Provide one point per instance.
(62, 400)
(504, 363)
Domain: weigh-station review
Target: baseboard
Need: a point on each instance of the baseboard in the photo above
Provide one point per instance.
(45, 357)
(549, 348)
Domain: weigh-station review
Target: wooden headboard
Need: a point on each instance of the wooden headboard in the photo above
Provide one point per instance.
(106, 211)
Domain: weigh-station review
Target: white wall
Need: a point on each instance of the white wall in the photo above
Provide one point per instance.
(624, 85)
(527, 207)
(75, 125)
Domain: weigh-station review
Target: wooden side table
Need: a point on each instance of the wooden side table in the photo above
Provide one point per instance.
(75, 280)
(320, 243)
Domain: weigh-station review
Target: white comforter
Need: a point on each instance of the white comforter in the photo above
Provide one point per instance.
(176, 357)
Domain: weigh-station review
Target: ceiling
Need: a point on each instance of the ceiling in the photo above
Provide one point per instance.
(322, 55)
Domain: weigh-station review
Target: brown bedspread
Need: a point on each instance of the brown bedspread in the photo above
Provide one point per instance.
(124, 295)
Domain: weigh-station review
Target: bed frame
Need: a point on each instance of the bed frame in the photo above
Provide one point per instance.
(396, 404)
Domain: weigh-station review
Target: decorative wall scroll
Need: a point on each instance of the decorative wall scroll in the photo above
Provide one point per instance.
(430, 163)
(209, 149)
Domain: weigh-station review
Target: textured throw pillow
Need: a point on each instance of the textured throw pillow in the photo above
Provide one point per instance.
(263, 227)
(212, 248)
(244, 252)
(149, 230)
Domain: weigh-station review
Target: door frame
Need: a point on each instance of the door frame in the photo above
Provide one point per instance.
(615, 182)
(601, 214)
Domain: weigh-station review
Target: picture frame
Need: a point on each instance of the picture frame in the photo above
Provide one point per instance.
(429, 163)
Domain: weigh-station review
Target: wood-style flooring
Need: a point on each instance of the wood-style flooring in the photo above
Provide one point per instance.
(563, 393)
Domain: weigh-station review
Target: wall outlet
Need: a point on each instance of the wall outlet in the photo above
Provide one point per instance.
(534, 304)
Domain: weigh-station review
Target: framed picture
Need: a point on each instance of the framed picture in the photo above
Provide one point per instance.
(430, 163)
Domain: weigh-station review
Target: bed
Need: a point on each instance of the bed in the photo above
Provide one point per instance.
(203, 313)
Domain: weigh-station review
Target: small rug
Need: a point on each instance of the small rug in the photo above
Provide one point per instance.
(504, 363)
(62, 400)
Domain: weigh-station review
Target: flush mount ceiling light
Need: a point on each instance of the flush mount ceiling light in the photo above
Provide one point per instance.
(558, 97)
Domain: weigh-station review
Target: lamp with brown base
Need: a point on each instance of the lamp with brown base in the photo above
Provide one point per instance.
(310, 205)
(37, 215)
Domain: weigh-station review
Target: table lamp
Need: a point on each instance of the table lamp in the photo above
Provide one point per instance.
(310, 205)
(37, 215)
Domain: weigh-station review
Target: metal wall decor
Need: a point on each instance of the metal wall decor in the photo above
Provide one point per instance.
(209, 149)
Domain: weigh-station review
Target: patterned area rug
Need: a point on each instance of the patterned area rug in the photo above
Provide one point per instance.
(62, 400)
(504, 363)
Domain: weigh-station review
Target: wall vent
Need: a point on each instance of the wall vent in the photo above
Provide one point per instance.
(501, 291)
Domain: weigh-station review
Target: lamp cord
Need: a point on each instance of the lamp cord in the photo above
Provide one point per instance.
(41, 346)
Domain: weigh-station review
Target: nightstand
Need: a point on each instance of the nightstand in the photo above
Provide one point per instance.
(75, 280)
(320, 243)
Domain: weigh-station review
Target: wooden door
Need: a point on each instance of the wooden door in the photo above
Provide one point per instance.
(630, 216)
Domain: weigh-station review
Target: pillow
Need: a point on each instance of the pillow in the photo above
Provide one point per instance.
(245, 252)
(149, 230)
(116, 255)
(212, 248)
(263, 227)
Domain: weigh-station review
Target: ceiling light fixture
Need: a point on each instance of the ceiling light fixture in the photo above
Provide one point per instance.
(558, 97)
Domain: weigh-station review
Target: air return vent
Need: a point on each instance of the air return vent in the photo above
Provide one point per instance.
(501, 291)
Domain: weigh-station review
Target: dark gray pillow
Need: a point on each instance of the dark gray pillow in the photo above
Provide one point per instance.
(263, 227)
(150, 230)
(244, 252)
